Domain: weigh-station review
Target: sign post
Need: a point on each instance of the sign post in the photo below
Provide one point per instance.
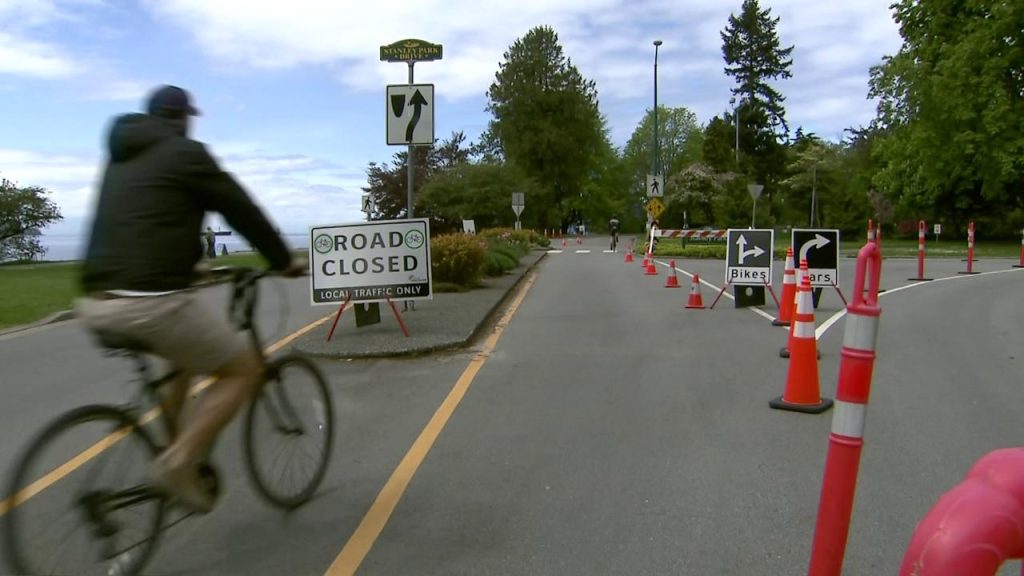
(518, 203)
(748, 262)
(411, 51)
(755, 193)
(821, 250)
(370, 262)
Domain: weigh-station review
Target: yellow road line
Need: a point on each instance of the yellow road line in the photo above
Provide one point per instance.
(91, 452)
(372, 524)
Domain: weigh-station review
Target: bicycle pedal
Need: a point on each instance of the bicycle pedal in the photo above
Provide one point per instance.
(210, 479)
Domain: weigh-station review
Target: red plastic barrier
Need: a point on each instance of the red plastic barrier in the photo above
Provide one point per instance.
(1021, 265)
(920, 252)
(847, 437)
(977, 525)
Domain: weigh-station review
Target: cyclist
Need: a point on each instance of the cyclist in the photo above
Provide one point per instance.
(145, 242)
(613, 228)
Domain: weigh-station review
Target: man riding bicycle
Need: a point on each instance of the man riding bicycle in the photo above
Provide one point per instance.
(143, 248)
(613, 229)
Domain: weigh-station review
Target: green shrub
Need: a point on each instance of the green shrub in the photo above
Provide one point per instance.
(498, 263)
(458, 258)
(524, 238)
(696, 251)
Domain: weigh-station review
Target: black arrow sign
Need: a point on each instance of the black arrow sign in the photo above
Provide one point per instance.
(417, 103)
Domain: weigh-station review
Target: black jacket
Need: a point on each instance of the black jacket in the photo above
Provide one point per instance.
(157, 187)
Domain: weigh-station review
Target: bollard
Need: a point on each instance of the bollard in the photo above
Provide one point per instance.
(846, 439)
(975, 527)
(920, 253)
(970, 250)
(1021, 265)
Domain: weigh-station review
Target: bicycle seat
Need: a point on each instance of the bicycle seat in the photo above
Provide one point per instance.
(117, 342)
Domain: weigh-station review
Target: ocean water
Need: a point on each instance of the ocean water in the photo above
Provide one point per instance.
(72, 247)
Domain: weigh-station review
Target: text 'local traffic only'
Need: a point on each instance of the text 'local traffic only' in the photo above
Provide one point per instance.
(370, 261)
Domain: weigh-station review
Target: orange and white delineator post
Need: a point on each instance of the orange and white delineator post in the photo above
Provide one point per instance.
(970, 250)
(1021, 265)
(788, 292)
(801, 273)
(803, 392)
(977, 525)
(920, 253)
(846, 440)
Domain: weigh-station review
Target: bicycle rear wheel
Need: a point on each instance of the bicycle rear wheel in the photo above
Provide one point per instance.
(289, 432)
(78, 500)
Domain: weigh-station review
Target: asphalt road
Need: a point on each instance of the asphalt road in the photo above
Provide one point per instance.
(604, 429)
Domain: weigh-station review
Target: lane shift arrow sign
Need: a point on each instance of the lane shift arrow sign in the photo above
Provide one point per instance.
(818, 242)
(742, 243)
(417, 103)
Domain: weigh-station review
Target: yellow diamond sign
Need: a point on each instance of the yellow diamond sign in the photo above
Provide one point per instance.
(655, 207)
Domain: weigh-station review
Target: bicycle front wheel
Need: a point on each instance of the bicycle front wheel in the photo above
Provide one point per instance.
(78, 501)
(289, 432)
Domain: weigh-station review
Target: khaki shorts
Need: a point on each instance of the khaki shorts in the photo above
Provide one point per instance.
(174, 326)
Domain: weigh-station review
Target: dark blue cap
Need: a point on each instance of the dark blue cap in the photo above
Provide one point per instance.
(172, 99)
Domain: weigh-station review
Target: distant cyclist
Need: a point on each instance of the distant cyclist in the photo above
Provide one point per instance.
(613, 229)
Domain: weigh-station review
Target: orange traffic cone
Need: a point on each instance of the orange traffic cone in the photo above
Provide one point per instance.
(673, 280)
(629, 256)
(652, 270)
(695, 300)
(788, 292)
(801, 272)
(803, 393)
(564, 243)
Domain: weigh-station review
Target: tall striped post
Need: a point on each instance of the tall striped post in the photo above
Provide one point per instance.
(846, 440)
(920, 253)
(1021, 265)
(970, 250)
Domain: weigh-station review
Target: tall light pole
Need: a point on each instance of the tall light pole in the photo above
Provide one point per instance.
(657, 143)
(736, 120)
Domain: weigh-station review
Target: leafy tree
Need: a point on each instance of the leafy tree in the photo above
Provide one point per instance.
(754, 55)
(387, 183)
(951, 109)
(814, 171)
(679, 143)
(546, 119)
(479, 192)
(698, 189)
(23, 211)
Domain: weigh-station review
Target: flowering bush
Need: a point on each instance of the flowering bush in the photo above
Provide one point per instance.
(458, 258)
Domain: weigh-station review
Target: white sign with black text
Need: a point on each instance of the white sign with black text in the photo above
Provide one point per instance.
(370, 261)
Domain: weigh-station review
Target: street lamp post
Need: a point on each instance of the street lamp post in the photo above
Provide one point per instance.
(736, 120)
(657, 143)
(656, 160)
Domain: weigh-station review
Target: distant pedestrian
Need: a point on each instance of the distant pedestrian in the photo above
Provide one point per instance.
(211, 242)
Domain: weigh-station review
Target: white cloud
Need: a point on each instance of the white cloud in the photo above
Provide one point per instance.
(23, 57)
(610, 40)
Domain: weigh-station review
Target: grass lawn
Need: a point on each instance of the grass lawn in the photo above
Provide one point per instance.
(31, 292)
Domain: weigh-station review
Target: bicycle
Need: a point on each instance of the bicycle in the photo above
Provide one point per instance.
(615, 240)
(111, 495)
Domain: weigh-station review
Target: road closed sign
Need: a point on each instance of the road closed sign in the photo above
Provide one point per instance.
(370, 261)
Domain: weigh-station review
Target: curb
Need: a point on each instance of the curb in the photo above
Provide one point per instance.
(51, 319)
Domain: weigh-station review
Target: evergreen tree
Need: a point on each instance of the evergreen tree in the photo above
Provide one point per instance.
(754, 56)
(546, 120)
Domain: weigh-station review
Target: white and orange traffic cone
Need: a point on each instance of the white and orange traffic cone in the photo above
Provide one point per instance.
(801, 273)
(652, 270)
(788, 292)
(695, 300)
(803, 392)
(673, 280)
(564, 243)
(629, 255)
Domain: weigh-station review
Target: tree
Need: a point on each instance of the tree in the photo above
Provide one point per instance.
(546, 120)
(387, 183)
(23, 211)
(753, 54)
(813, 169)
(698, 189)
(479, 192)
(951, 112)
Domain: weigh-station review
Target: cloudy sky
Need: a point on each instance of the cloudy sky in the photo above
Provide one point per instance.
(293, 93)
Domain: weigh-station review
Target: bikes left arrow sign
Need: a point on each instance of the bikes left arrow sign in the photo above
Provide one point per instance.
(410, 114)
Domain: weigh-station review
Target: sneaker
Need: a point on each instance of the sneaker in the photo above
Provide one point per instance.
(181, 484)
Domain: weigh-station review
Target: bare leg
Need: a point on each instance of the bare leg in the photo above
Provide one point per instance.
(176, 469)
(172, 400)
(236, 382)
